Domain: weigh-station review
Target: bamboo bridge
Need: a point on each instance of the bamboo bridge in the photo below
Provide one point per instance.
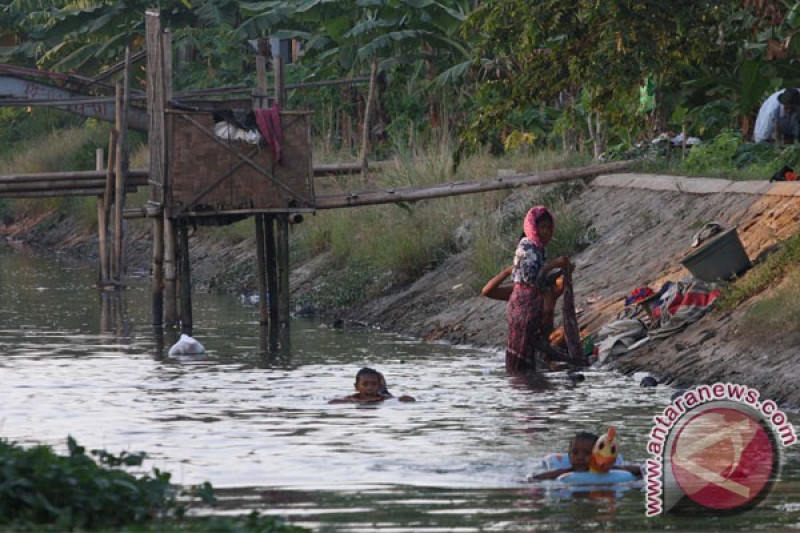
(195, 177)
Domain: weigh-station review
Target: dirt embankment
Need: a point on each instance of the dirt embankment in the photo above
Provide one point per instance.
(642, 235)
(644, 225)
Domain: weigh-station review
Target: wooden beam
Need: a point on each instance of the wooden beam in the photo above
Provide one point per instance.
(170, 231)
(272, 275)
(261, 270)
(185, 279)
(282, 258)
(156, 144)
(62, 184)
(65, 176)
(411, 194)
(108, 198)
(93, 191)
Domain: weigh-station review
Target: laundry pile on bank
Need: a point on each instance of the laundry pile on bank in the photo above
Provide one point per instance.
(652, 314)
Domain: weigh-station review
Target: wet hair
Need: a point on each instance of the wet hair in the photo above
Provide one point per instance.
(584, 435)
(366, 371)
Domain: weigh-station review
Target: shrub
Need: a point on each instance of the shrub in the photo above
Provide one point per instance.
(40, 487)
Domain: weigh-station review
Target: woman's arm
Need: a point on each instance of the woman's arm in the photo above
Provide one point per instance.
(494, 290)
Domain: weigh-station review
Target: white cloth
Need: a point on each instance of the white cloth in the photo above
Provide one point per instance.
(229, 132)
(615, 337)
(768, 115)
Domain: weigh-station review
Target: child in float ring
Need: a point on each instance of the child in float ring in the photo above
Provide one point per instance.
(576, 463)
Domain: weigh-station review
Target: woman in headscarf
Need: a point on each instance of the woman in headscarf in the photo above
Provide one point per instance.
(525, 306)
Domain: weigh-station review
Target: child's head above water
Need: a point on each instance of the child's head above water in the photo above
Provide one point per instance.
(580, 450)
(369, 382)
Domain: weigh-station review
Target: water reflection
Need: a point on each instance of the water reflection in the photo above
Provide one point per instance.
(256, 423)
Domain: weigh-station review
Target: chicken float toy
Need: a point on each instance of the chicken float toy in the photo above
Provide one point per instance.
(601, 463)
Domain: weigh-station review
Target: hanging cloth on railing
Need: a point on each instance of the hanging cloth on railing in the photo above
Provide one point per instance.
(269, 124)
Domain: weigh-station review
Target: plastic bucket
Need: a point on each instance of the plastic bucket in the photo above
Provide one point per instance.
(722, 257)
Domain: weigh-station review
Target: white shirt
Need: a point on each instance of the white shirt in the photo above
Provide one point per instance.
(768, 115)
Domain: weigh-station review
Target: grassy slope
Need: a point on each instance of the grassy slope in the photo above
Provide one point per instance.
(372, 250)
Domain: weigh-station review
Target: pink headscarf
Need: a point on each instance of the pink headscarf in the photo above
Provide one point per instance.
(533, 216)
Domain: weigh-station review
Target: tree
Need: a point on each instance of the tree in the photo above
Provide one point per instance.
(535, 52)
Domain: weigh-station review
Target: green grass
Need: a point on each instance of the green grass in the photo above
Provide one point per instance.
(782, 263)
(776, 314)
(374, 249)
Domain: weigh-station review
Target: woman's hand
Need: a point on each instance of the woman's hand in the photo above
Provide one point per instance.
(564, 263)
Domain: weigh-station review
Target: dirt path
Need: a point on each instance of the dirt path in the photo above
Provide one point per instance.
(645, 226)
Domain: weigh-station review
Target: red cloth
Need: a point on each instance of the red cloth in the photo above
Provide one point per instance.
(529, 226)
(269, 125)
(524, 315)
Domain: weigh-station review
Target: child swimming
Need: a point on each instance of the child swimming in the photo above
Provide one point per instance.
(371, 387)
(581, 450)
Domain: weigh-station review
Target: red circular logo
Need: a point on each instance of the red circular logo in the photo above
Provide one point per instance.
(722, 458)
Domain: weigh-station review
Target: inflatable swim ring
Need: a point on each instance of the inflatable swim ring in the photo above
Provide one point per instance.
(594, 478)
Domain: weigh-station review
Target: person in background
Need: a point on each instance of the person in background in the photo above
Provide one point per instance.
(778, 113)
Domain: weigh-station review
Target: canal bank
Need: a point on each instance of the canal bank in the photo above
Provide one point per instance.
(643, 225)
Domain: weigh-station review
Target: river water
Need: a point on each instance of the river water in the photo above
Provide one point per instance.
(259, 428)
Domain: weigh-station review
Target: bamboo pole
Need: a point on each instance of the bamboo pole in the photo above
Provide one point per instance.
(116, 254)
(410, 194)
(185, 278)
(67, 176)
(373, 74)
(108, 196)
(280, 81)
(272, 274)
(170, 231)
(156, 143)
(121, 171)
(57, 186)
(282, 257)
(261, 270)
(99, 163)
(260, 100)
(86, 191)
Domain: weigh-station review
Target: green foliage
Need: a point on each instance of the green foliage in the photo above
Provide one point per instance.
(74, 491)
(718, 153)
(43, 491)
(763, 275)
(534, 52)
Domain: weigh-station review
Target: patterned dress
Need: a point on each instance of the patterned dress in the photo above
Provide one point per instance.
(524, 312)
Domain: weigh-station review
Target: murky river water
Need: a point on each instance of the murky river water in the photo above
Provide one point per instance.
(258, 426)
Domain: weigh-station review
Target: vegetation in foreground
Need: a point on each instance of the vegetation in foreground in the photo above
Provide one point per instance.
(92, 491)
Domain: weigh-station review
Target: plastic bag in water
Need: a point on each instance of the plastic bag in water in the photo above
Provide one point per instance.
(186, 345)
